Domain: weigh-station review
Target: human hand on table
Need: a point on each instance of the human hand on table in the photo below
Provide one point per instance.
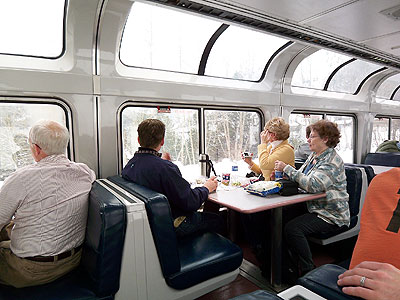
(371, 280)
(211, 184)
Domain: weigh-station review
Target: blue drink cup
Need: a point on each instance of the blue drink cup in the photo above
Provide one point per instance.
(278, 175)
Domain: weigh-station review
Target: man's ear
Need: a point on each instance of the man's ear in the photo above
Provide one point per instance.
(162, 142)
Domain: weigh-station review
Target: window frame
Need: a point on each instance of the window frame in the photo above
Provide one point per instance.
(63, 49)
(200, 107)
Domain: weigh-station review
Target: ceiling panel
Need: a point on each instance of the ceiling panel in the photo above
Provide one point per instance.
(359, 21)
(389, 43)
(289, 9)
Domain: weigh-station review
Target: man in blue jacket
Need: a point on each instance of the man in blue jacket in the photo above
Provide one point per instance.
(152, 169)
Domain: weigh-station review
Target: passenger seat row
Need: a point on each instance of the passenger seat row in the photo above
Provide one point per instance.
(131, 252)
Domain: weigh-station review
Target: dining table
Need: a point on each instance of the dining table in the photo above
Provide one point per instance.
(237, 199)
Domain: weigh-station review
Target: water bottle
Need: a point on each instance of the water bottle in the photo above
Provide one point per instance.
(235, 175)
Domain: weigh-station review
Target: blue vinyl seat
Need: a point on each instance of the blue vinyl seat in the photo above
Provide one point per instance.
(389, 159)
(323, 281)
(98, 275)
(188, 261)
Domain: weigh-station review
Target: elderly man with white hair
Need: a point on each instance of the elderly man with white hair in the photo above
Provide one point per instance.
(43, 211)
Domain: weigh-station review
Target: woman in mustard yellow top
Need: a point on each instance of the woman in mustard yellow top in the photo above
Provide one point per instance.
(274, 146)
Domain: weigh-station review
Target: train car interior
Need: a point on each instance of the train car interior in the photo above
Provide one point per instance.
(214, 72)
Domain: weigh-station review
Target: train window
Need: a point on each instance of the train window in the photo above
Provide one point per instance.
(346, 125)
(388, 87)
(314, 71)
(349, 77)
(395, 129)
(33, 28)
(181, 136)
(240, 53)
(165, 39)
(15, 122)
(228, 134)
(298, 123)
(380, 132)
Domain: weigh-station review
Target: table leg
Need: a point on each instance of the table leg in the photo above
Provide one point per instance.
(276, 246)
(232, 224)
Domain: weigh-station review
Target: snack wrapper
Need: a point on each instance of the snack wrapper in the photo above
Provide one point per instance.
(263, 188)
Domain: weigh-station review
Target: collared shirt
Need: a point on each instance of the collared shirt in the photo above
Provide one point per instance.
(49, 202)
(275, 144)
(326, 175)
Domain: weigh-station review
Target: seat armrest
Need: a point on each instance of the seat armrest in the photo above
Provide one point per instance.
(323, 281)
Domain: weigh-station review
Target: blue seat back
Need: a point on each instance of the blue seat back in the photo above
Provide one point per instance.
(104, 242)
(354, 186)
(389, 159)
(369, 171)
(161, 223)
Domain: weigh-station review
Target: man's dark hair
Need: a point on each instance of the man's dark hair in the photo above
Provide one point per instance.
(151, 132)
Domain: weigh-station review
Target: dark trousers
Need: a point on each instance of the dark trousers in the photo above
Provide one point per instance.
(296, 232)
(199, 222)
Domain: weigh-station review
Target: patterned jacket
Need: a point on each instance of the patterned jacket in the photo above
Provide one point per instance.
(327, 175)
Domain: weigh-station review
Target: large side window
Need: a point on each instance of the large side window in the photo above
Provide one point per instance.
(384, 128)
(228, 134)
(15, 122)
(298, 123)
(346, 124)
(181, 135)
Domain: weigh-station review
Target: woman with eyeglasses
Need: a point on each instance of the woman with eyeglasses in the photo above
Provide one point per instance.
(323, 172)
(274, 145)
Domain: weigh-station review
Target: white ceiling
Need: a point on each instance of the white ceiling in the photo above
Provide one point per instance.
(360, 21)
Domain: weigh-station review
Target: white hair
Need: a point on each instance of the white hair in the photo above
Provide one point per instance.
(50, 136)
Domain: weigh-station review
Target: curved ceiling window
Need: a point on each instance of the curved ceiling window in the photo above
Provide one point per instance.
(314, 71)
(349, 77)
(160, 38)
(389, 89)
(32, 28)
(241, 53)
